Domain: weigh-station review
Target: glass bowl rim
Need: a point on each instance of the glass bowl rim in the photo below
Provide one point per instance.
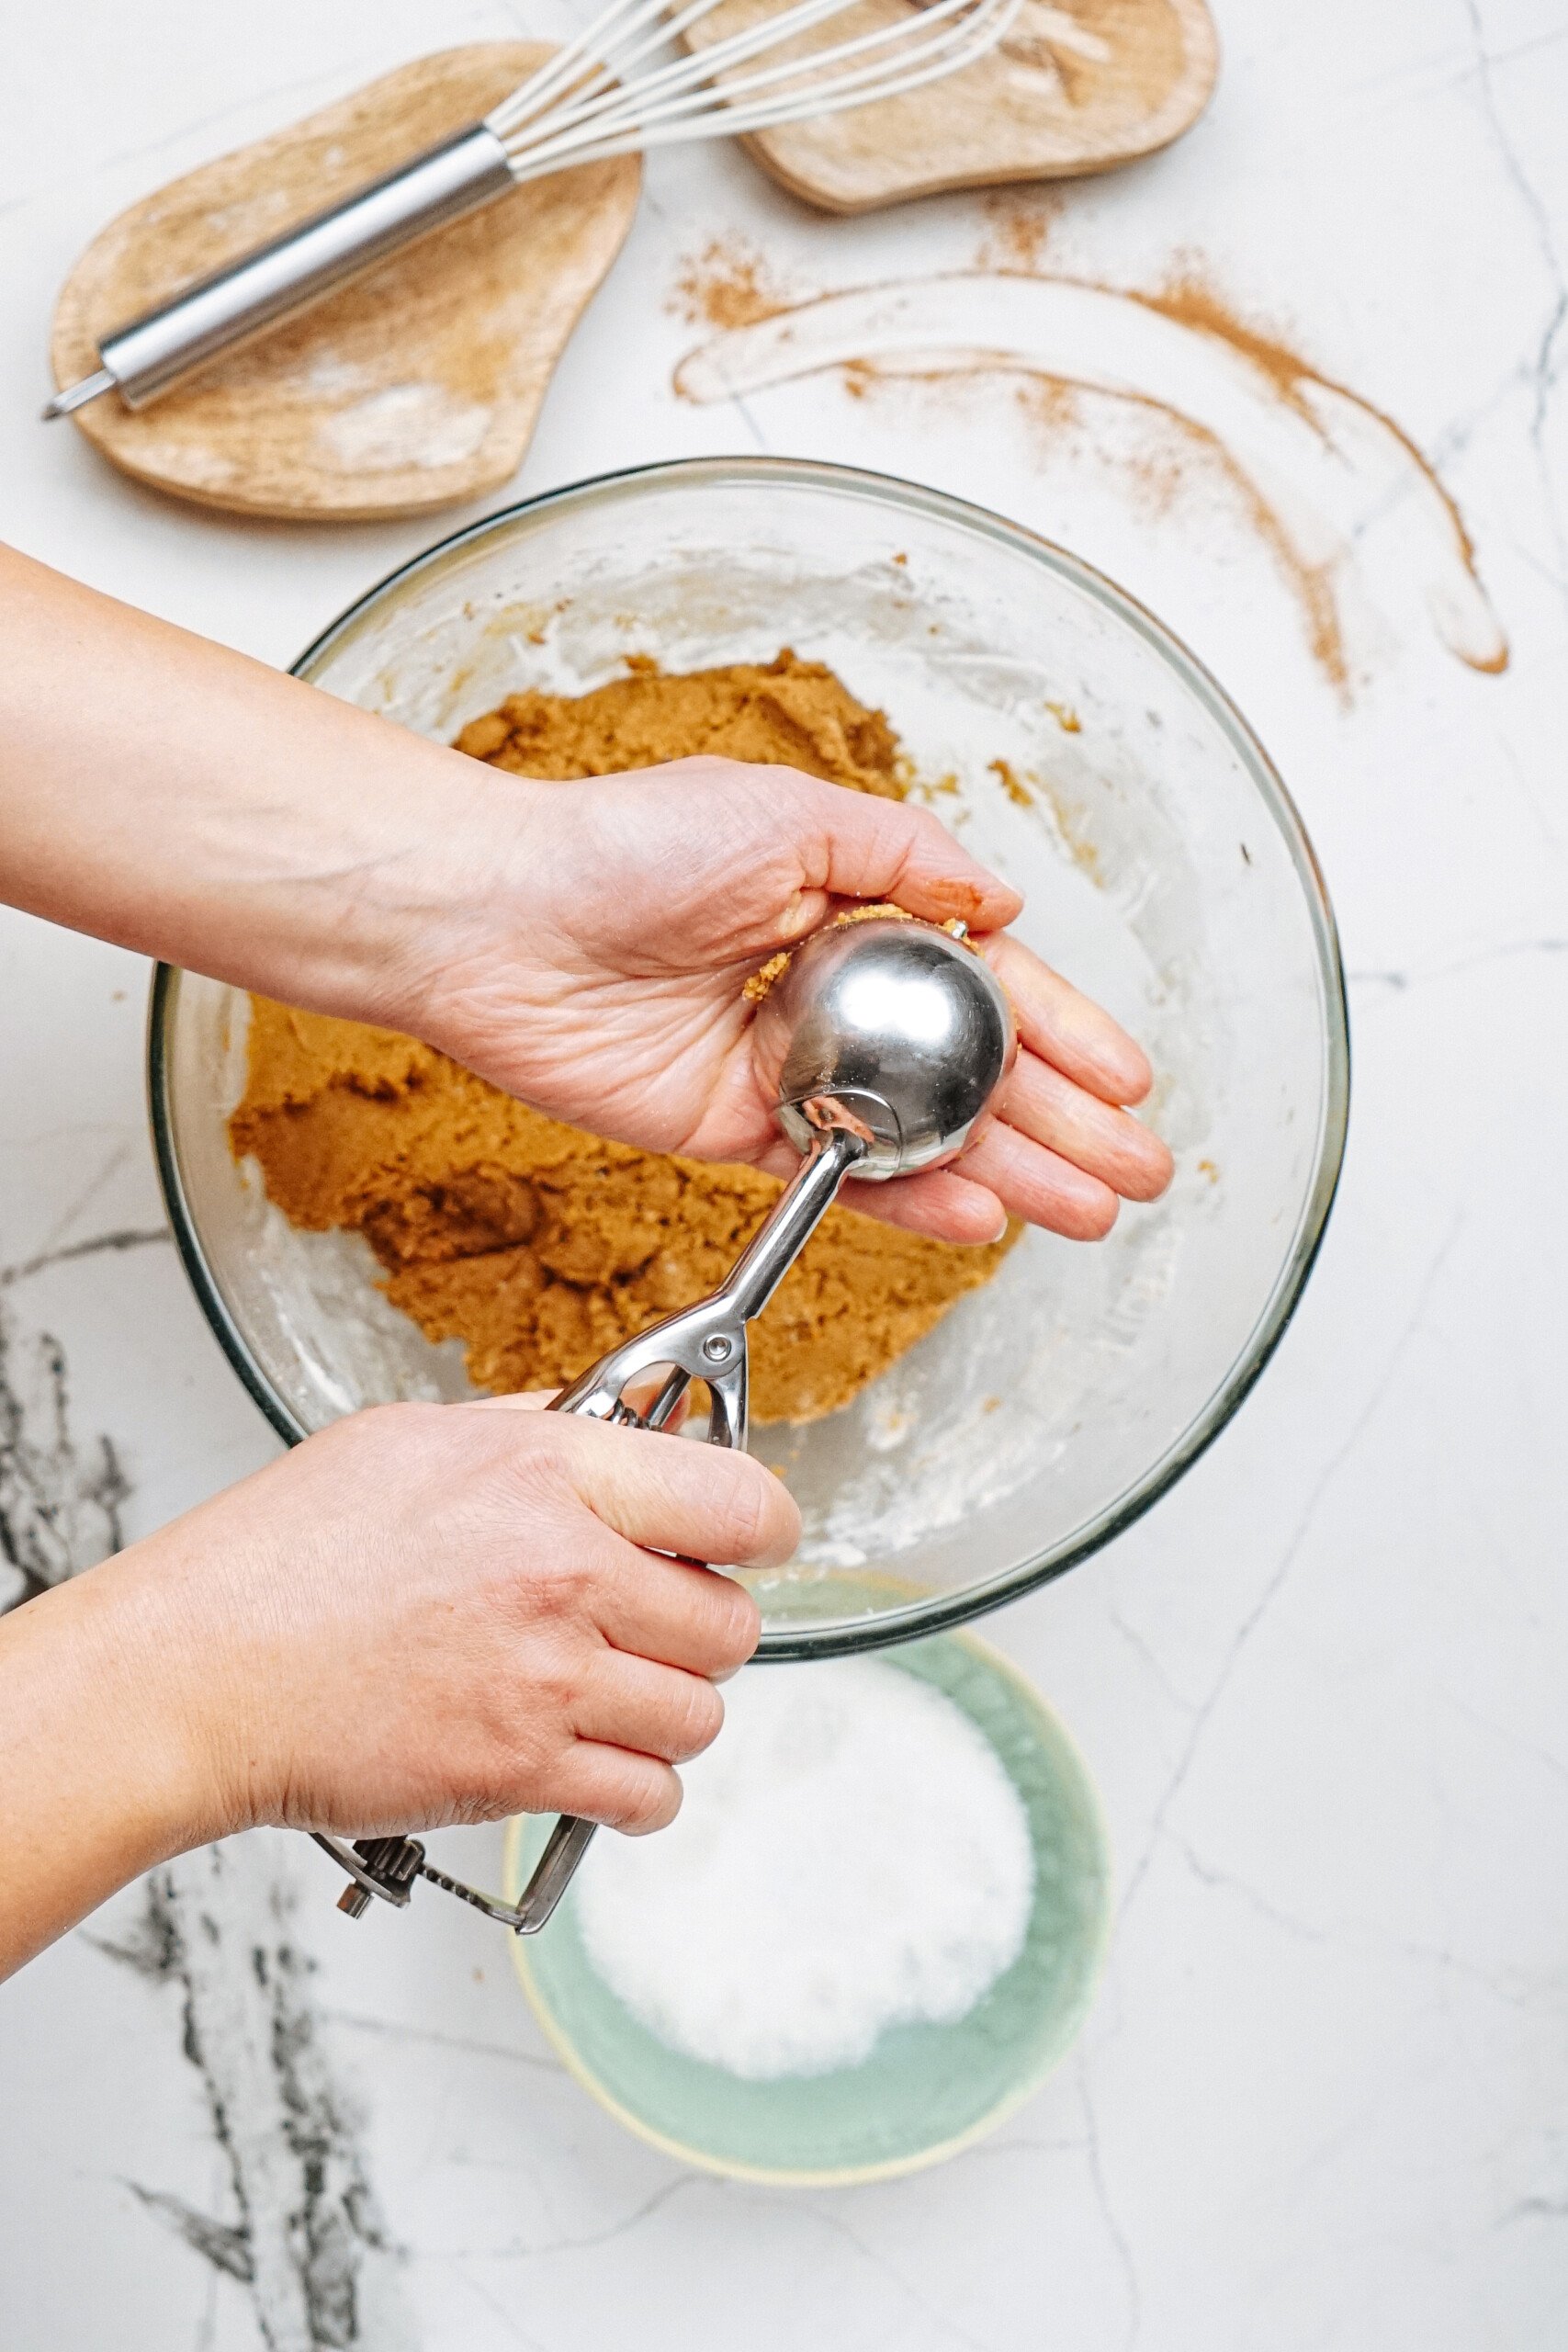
(939, 1614)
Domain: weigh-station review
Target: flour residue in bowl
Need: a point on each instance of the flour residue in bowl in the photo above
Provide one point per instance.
(852, 1856)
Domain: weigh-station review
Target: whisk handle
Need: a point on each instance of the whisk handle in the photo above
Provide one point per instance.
(149, 355)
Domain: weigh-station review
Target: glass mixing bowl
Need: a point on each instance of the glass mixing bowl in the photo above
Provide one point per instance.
(1081, 752)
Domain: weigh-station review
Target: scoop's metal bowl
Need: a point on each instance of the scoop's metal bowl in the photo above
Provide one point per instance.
(1079, 749)
(898, 1027)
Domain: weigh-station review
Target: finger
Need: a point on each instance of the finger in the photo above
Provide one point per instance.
(854, 846)
(1003, 1175)
(634, 1794)
(1103, 1141)
(655, 1710)
(1040, 1186)
(639, 1394)
(702, 1501)
(643, 1393)
(941, 1202)
(678, 1613)
(1059, 1023)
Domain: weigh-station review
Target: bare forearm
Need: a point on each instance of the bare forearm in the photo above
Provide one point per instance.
(424, 1614)
(177, 798)
(99, 1775)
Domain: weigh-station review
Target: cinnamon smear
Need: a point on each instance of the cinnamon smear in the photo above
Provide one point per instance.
(730, 284)
(1218, 437)
(1019, 222)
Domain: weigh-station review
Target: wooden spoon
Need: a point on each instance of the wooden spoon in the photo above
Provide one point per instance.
(418, 385)
(1077, 86)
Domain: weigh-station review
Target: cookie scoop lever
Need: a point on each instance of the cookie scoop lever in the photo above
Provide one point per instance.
(884, 1043)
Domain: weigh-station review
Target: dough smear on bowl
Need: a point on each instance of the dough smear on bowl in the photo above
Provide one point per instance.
(540, 1246)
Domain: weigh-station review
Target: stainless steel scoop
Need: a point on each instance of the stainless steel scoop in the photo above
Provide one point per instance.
(884, 1044)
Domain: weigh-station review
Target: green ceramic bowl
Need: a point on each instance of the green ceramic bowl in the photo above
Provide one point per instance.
(925, 2090)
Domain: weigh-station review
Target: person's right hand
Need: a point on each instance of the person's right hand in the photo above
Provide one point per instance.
(429, 1614)
(433, 1614)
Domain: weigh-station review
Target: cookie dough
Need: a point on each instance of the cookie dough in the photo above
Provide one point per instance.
(538, 1246)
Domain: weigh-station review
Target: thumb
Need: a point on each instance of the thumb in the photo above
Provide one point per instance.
(853, 845)
(527, 1400)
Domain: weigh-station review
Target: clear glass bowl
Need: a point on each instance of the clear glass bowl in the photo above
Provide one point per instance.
(1166, 871)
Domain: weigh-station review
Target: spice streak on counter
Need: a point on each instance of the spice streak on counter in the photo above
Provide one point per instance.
(1314, 462)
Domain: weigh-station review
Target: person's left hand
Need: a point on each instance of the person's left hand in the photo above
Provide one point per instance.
(603, 932)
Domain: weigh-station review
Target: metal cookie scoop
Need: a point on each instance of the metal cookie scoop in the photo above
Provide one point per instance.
(884, 1043)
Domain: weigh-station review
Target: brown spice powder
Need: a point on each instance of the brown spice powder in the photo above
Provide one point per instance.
(1019, 222)
(538, 1246)
(1186, 464)
(730, 284)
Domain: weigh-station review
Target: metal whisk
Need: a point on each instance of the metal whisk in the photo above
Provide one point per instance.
(593, 98)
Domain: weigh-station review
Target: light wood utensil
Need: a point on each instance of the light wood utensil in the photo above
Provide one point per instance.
(608, 91)
(1075, 86)
(418, 385)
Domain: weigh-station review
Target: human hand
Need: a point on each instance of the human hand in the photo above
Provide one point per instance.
(583, 945)
(602, 932)
(428, 1613)
(434, 1613)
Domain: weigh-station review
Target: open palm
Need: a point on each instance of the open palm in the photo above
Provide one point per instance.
(611, 995)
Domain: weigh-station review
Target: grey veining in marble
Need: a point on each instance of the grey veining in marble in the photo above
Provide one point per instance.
(303, 2230)
(59, 1503)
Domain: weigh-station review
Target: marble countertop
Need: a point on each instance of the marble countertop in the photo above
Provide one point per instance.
(1321, 2100)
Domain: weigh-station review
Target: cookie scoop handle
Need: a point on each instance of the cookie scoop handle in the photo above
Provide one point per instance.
(704, 1342)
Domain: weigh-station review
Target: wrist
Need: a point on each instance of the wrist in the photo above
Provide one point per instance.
(100, 1776)
(132, 1672)
(440, 941)
(374, 891)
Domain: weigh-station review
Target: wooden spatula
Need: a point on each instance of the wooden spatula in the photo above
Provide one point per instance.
(1076, 86)
(415, 386)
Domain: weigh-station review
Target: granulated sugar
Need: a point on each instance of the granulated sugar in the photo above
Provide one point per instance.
(852, 1855)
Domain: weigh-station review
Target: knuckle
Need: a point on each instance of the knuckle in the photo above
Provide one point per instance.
(700, 767)
(736, 1625)
(380, 1431)
(542, 1450)
(753, 1514)
(1092, 1220)
(558, 1576)
(566, 1590)
(506, 1768)
(1154, 1166)
(646, 1801)
(558, 1686)
(699, 1714)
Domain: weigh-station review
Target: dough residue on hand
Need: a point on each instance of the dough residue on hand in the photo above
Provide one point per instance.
(540, 1246)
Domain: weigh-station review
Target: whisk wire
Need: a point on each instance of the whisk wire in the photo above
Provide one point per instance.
(946, 26)
(960, 48)
(691, 117)
(582, 64)
(606, 83)
(698, 94)
(613, 89)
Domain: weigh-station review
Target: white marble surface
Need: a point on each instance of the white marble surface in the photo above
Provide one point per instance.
(1321, 2102)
